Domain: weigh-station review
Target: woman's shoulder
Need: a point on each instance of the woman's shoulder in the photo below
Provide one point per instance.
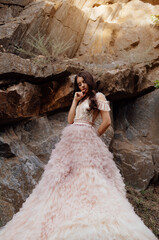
(102, 102)
(100, 96)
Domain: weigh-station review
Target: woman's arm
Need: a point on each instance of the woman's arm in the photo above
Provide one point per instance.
(71, 115)
(72, 111)
(106, 120)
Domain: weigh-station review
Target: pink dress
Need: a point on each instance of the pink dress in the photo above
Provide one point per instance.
(81, 195)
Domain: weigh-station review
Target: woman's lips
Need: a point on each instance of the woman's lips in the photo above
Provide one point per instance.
(84, 90)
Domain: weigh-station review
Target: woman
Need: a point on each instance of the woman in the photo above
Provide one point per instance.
(81, 195)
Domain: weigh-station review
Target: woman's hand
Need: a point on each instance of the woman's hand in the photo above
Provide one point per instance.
(78, 96)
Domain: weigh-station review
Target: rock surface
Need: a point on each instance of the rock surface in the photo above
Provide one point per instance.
(24, 149)
(29, 89)
(22, 3)
(120, 30)
(136, 139)
(19, 101)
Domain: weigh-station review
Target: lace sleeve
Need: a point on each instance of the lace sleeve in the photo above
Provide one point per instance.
(102, 102)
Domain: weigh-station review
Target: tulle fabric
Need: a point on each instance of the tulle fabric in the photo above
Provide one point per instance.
(81, 196)
(102, 105)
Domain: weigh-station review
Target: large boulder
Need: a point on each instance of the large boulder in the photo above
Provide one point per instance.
(24, 149)
(136, 139)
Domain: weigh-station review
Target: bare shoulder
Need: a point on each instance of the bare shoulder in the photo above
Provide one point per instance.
(100, 96)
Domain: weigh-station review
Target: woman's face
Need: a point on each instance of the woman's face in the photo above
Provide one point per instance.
(83, 86)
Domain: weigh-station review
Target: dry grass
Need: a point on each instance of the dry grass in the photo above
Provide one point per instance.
(146, 205)
(48, 49)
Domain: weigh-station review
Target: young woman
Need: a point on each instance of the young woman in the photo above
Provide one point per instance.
(81, 195)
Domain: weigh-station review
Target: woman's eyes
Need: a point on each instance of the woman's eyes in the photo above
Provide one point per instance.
(79, 84)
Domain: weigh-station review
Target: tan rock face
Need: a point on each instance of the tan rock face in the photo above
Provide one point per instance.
(122, 30)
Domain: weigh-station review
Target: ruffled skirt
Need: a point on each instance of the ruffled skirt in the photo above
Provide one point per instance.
(81, 196)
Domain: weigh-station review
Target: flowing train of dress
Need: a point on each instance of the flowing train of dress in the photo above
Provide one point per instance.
(81, 196)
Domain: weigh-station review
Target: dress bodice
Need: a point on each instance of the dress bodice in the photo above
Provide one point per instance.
(82, 113)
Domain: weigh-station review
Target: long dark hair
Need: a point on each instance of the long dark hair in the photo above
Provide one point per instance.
(91, 88)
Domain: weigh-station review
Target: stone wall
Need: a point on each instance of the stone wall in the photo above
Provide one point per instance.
(106, 31)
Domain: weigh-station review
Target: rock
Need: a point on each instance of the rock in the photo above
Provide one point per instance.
(19, 101)
(6, 212)
(19, 175)
(16, 2)
(153, 2)
(155, 158)
(7, 13)
(26, 100)
(21, 98)
(56, 28)
(41, 134)
(10, 63)
(27, 147)
(29, 89)
(122, 29)
(136, 139)
(125, 81)
(60, 97)
(97, 30)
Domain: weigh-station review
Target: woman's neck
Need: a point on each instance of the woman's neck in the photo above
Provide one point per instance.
(85, 97)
